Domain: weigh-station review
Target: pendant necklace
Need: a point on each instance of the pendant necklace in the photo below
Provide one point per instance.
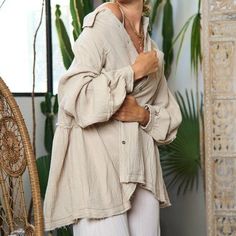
(140, 35)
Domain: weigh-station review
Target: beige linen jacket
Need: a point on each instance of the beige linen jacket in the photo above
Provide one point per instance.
(97, 161)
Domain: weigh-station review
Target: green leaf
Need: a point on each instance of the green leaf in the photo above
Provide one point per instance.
(48, 103)
(77, 17)
(181, 159)
(48, 133)
(168, 33)
(195, 50)
(194, 110)
(55, 105)
(183, 107)
(196, 57)
(154, 10)
(43, 166)
(65, 231)
(88, 6)
(43, 107)
(181, 36)
(64, 41)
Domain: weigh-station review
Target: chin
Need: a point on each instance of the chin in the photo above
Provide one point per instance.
(124, 1)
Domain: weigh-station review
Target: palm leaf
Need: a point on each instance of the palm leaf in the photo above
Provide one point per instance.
(181, 36)
(65, 231)
(183, 107)
(195, 44)
(196, 57)
(181, 159)
(168, 33)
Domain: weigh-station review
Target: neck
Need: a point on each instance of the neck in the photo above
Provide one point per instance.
(133, 10)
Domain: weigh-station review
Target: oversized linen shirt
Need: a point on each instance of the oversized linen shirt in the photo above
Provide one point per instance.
(97, 161)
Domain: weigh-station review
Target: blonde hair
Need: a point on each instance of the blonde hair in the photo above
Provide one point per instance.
(146, 7)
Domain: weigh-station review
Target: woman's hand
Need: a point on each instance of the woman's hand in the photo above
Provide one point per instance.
(131, 111)
(145, 64)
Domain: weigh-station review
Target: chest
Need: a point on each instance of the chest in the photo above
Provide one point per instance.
(122, 51)
(136, 38)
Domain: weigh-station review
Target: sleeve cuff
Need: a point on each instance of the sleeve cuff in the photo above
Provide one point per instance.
(158, 125)
(129, 78)
(153, 112)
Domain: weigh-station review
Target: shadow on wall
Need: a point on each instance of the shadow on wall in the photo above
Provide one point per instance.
(186, 216)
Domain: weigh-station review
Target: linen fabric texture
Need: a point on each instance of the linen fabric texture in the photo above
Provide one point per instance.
(143, 219)
(97, 161)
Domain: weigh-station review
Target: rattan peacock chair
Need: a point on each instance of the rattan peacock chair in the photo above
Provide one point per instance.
(17, 165)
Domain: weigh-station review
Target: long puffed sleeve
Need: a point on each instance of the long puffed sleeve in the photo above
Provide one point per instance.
(87, 92)
(165, 115)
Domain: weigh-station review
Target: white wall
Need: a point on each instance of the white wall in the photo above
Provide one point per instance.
(25, 105)
(186, 217)
(181, 76)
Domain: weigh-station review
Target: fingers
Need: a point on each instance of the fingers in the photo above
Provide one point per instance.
(119, 115)
(130, 97)
(155, 53)
(156, 56)
(128, 104)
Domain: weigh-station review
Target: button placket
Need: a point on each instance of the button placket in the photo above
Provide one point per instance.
(123, 152)
(122, 135)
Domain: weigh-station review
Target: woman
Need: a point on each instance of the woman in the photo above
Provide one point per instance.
(114, 110)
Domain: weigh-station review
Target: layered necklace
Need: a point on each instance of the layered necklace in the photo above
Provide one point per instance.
(140, 36)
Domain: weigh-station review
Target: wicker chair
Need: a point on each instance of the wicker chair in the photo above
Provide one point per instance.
(17, 164)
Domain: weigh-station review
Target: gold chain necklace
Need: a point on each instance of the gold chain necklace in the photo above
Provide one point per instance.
(139, 35)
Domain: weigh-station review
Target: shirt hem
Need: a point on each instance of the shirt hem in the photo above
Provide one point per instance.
(164, 202)
(86, 213)
(103, 213)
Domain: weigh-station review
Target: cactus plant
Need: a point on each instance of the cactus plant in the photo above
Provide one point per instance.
(80, 8)
(64, 41)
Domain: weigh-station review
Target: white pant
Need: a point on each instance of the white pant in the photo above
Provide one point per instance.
(141, 220)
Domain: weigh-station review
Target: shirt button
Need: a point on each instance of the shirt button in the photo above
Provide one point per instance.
(123, 142)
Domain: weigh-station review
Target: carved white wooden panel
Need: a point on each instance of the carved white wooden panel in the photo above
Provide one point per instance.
(219, 64)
